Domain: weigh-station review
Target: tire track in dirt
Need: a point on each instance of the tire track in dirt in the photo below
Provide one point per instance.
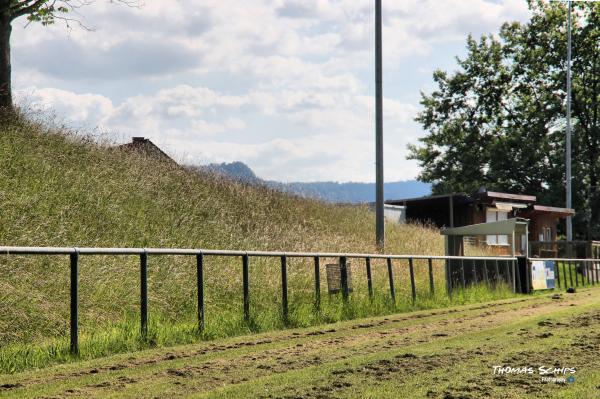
(213, 348)
(581, 352)
(304, 349)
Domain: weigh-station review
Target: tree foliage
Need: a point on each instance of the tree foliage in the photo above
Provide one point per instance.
(499, 120)
(45, 12)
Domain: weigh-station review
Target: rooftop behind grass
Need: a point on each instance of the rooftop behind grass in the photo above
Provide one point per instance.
(62, 189)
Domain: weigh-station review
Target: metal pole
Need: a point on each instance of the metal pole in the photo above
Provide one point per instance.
(564, 273)
(587, 271)
(485, 272)
(369, 279)
(517, 274)
(412, 280)
(557, 273)
(509, 275)
(568, 138)
(284, 289)
(200, 285)
(570, 267)
(246, 287)
(462, 273)
(74, 304)
(317, 284)
(431, 286)
(449, 277)
(391, 278)
(344, 278)
(144, 294)
(447, 266)
(379, 222)
(527, 276)
(497, 272)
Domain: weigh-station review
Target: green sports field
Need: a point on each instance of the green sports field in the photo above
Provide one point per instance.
(446, 353)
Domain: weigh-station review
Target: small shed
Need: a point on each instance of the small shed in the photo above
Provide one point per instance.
(513, 228)
(462, 209)
(514, 273)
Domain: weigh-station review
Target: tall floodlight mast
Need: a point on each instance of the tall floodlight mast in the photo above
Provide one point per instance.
(379, 222)
(568, 138)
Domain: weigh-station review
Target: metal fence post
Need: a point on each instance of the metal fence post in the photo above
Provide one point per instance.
(587, 271)
(412, 279)
(557, 273)
(564, 269)
(485, 272)
(284, 289)
(449, 276)
(462, 273)
(391, 278)
(200, 290)
(317, 283)
(474, 271)
(570, 267)
(528, 284)
(509, 275)
(431, 286)
(246, 287)
(74, 258)
(369, 278)
(497, 272)
(144, 294)
(517, 274)
(344, 278)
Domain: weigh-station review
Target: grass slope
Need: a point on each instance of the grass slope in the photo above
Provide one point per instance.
(61, 189)
(447, 353)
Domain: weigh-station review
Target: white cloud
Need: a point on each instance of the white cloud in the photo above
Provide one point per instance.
(284, 85)
(83, 109)
(196, 124)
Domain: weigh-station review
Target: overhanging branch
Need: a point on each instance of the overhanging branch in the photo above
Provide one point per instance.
(27, 9)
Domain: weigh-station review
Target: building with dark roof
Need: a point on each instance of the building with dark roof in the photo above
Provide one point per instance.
(146, 147)
(461, 209)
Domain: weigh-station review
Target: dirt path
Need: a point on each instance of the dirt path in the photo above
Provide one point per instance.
(447, 353)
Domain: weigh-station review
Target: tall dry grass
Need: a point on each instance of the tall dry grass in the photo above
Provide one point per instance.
(62, 189)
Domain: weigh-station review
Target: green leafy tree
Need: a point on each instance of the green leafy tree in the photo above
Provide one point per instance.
(499, 121)
(45, 12)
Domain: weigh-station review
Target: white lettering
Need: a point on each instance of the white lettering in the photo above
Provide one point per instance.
(556, 370)
(512, 370)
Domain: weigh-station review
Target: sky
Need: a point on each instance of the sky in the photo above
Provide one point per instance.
(286, 86)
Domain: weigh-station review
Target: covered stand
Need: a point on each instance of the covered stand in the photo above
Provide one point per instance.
(459, 273)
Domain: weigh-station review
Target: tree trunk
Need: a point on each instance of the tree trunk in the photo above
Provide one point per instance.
(5, 69)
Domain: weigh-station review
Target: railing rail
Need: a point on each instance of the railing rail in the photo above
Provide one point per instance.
(219, 252)
(75, 253)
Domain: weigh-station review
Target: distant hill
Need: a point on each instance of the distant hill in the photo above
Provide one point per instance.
(237, 170)
(328, 191)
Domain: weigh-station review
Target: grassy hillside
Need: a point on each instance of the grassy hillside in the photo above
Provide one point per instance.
(62, 189)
